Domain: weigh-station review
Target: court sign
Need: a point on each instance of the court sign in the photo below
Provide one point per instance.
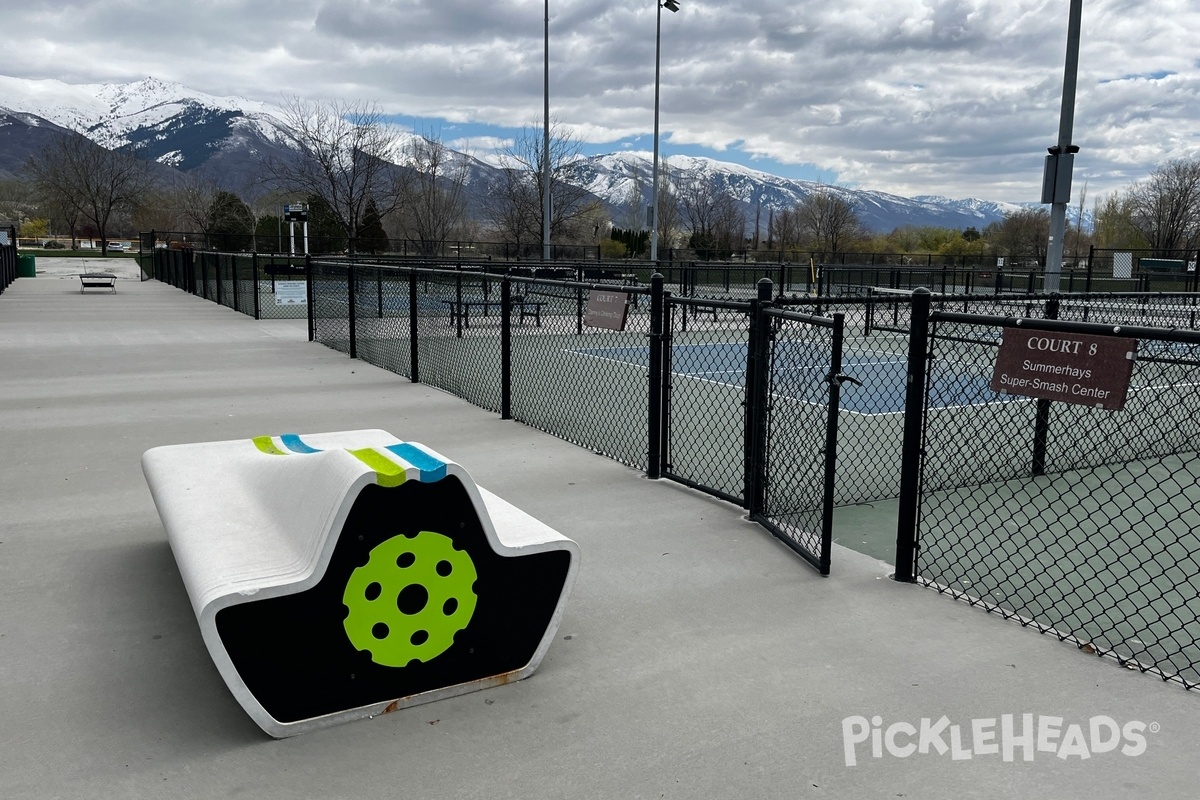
(291, 293)
(1072, 367)
(606, 309)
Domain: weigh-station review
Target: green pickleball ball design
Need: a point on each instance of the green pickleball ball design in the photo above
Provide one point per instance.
(410, 599)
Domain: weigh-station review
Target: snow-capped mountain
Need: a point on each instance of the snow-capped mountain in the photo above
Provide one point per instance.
(619, 177)
(226, 138)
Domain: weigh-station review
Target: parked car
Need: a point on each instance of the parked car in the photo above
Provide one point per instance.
(115, 247)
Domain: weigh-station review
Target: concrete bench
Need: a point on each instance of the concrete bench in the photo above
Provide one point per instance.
(97, 280)
(342, 575)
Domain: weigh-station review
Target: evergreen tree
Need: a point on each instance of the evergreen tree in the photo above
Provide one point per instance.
(371, 236)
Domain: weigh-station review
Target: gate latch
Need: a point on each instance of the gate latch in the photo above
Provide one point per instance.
(840, 379)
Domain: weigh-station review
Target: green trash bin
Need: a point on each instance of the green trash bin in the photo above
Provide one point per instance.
(26, 267)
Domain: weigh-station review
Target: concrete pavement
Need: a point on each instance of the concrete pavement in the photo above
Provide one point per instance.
(698, 658)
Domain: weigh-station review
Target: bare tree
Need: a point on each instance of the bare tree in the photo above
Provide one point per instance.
(1022, 235)
(711, 214)
(77, 175)
(434, 201)
(669, 213)
(1165, 208)
(515, 207)
(192, 196)
(785, 229)
(828, 222)
(345, 155)
(633, 209)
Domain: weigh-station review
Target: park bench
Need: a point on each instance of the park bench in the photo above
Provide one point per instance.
(342, 575)
(524, 308)
(97, 280)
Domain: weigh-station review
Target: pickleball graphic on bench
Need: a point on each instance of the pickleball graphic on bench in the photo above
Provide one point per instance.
(410, 599)
(346, 574)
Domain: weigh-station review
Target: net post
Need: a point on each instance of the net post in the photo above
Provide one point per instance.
(910, 458)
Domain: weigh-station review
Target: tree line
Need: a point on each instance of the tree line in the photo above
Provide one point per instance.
(364, 187)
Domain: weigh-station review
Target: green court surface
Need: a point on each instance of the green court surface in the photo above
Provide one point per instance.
(1108, 556)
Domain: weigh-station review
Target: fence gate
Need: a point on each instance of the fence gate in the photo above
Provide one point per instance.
(750, 411)
(797, 425)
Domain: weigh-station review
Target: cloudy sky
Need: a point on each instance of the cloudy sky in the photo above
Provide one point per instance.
(951, 97)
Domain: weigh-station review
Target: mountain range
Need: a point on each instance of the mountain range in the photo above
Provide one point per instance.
(225, 138)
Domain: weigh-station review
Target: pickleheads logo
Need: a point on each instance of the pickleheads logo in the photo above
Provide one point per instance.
(1006, 737)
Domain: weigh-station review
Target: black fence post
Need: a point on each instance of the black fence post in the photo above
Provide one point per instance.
(831, 438)
(910, 458)
(1041, 421)
(351, 291)
(655, 388)
(505, 348)
(665, 432)
(312, 300)
(233, 272)
(216, 259)
(379, 290)
(414, 349)
(458, 301)
(254, 277)
(579, 310)
(757, 382)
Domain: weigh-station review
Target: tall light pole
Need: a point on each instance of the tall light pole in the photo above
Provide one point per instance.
(546, 141)
(1056, 181)
(672, 6)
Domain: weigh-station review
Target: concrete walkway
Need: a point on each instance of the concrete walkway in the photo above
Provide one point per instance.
(697, 659)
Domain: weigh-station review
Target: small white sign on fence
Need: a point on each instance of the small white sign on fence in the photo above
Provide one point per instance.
(1122, 265)
(291, 293)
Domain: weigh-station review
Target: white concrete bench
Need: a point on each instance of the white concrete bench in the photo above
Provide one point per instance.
(341, 575)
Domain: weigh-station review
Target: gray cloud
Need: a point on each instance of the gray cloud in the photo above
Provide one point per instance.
(955, 97)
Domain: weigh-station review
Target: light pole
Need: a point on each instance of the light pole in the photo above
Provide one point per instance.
(672, 6)
(546, 141)
(1056, 181)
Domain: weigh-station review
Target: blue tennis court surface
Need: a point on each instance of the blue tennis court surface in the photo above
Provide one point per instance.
(800, 374)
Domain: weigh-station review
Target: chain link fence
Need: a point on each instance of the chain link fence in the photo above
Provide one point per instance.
(1075, 520)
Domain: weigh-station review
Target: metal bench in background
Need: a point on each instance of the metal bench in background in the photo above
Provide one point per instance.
(97, 280)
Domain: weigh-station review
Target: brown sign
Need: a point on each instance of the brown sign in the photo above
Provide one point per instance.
(606, 309)
(1071, 367)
